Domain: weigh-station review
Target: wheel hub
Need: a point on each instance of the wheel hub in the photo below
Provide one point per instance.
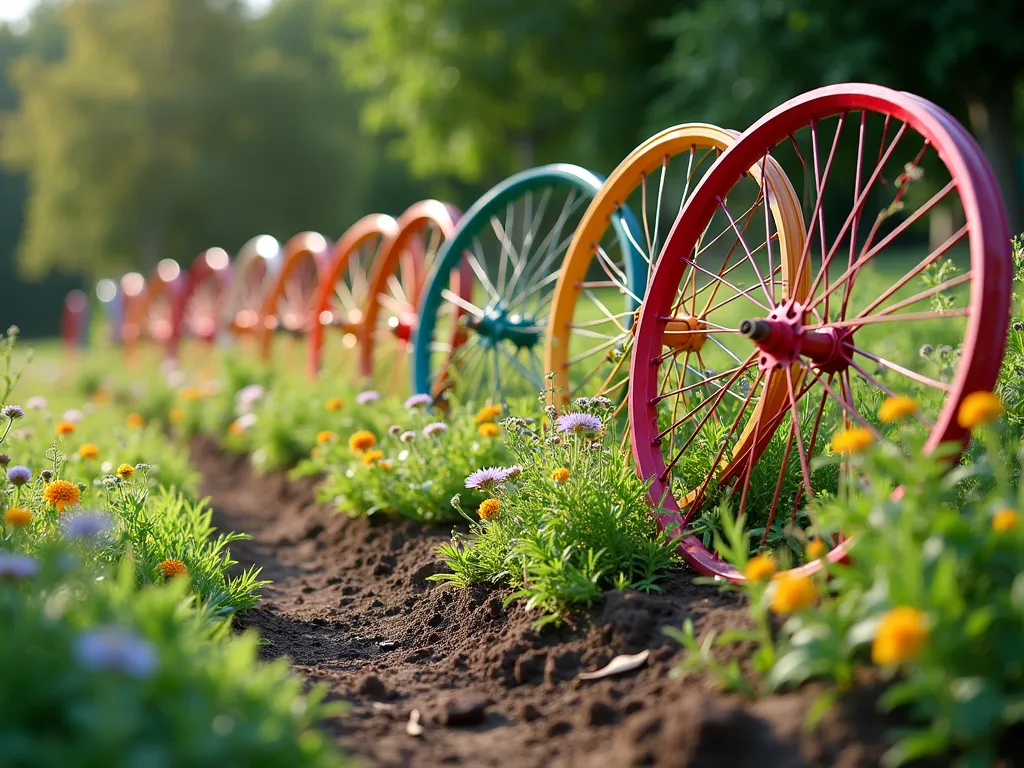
(783, 340)
(403, 325)
(498, 324)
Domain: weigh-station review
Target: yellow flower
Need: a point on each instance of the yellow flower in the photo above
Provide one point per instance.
(190, 393)
(759, 568)
(61, 494)
(488, 429)
(900, 636)
(896, 408)
(371, 457)
(135, 421)
(1004, 520)
(489, 509)
(334, 404)
(172, 568)
(176, 415)
(101, 396)
(125, 471)
(978, 409)
(16, 517)
(361, 441)
(560, 475)
(792, 592)
(89, 451)
(852, 440)
(65, 427)
(325, 437)
(488, 413)
(816, 549)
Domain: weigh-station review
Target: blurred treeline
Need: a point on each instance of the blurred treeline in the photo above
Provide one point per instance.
(135, 130)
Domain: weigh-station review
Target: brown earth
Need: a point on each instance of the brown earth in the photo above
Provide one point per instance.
(351, 607)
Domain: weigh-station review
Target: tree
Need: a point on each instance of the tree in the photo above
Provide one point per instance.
(733, 60)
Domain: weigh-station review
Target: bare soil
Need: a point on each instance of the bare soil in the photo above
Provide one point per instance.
(351, 606)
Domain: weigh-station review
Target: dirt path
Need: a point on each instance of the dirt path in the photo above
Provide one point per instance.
(351, 606)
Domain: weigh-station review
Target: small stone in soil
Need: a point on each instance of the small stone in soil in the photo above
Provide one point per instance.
(419, 576)
(463, 709)
(371, 685)
(562, 666)
(528, 713)
(383, 569)
(558, 727)
(599, 712)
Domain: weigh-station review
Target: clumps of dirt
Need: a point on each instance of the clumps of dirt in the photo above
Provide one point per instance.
(436, 676)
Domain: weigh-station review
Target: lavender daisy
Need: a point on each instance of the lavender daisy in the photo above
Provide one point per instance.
(73, 415)
(36, 403)
(247, 398)
(369, 396)
(17, 566)
(394, 430)
(87, 525)
(418, 401)
(19, 475)
(435, 428)
(116, 650)
(487, 478)
(514, 471)
(578, 422)
(246, 421)
(405, 437)
(12, 412)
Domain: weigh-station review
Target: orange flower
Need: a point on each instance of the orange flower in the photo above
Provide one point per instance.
(1004, 520)
(125, 471)
(759, 568)
(978, 409)
(385, 465)
(561, 475)
(490, 509)
(135, 421)
(361, 441)
(16, 517)
(816, 549)
(65, 427)
(896, 408)
(371, 457)
(488, 413)
(334, 404)
(61, 494)
(172, 568)
(190, 393)
(89, 451)
(176, 415)
(488, 429)
(852, 440)
(901, 635)
(325, 437)
(792, 593)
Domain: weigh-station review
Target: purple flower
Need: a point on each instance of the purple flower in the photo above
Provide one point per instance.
(394, 430)
(73, 416)
(578, 422)
(246, 421)
(514, 471)
(369, 396)
(19, 475)
(116, 650)
(12, 412)
(36, 403)
(405, 437)
(247, 397)
(416, 401)
(17, 566)
(435, 428)
(87, 525)
(488, 477)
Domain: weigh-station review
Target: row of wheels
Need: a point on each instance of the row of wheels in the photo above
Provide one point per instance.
(739, 297)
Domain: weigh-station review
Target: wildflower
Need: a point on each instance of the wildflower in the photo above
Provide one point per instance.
(19, 475)
(513, 472)
(1018, 326)
(334, 404)
(489, 509)
(46, 475)
(4, 459)
(896, 408)
(406, 437)
(759, 568)
(89, 451)
(113, 649)
(560, 475)
(488, 429)
(901, 635)
(852, 440)
(600, 403)
(418, 401)
(585, 423)
(487, 413)
(176, 415)
(62, 494)
(792, 592)
(172, 568)
(74, 416)
(550, 411)
(135, 421)
(189, 393)
(87, 525)
(926, 351)
(325, 436)
(64, 428)
(372, 457)
(247, 397)
(394, 430)
(17, 517)
(12, 412)
(17, 566)
(816, 549)
(369, 396)
(435, 428)
(125, 471)
(488, 477)
(978, 409)
(385, 465)
(361, 441)
(36, 403)
(1004, 520)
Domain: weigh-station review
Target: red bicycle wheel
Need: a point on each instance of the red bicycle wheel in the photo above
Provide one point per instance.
(162, 291)
(199, 307)
(341, 295)
(74, 326)
(251, 273)
(290, 304)
(909, 269)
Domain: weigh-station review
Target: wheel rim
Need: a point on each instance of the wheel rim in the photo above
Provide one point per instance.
(256, 264)
(397, 284)
(290, 305)
(831, 351)
(75, 319)
(510, 241)
(162, 292)
(343, 291)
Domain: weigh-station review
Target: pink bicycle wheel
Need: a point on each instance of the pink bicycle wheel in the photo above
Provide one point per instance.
(290, 304)
(198, 309)
(163, 291)
(902, 287)
(74, 325)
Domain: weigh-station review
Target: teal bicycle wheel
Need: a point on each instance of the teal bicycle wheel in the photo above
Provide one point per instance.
(510, 244)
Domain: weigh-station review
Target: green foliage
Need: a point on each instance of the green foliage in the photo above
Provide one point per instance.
(559, 544)
(104, 672)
